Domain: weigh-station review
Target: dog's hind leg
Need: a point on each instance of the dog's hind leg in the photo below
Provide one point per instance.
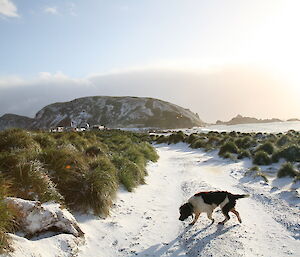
(236, 214)
(225, 210)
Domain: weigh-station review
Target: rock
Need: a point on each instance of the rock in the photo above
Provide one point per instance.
(34, 217)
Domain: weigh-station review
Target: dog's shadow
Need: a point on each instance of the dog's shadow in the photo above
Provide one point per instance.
(186, 243)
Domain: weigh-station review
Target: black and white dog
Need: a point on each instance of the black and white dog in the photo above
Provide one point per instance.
(207, 202)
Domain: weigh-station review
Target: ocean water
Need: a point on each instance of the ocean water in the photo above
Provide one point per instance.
(273, 127)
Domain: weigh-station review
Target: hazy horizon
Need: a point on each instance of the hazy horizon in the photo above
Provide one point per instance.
(217, 58)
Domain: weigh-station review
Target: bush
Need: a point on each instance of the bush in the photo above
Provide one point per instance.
(244, 142)
(93, 151)
(129, 174)
(45, 140)
(66, 168)
(229, 147)
(244, 154)
(162, 139)
(198, 143)
(97, 189)
(267, 147)
(283, 140)
(287, 170)
(290, 153)
(176, 138)
(257, 174)
(254, 168)
(191, 138)
(28, 179)
(7, 223)
(261, 158)
(16, 140)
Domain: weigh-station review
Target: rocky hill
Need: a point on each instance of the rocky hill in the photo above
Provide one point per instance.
(113, 112)
(15, 121)
(239, 119)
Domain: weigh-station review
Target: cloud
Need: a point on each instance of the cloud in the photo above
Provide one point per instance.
(219, 94)
(51, 10)
(8, 8)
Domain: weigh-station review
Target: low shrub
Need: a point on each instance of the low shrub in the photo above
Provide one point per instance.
(290, 153)
(287, 170)
(29, 180)
(283, 140)
(267, 147)
(261, 158)
(254, 168)
(198, 143)
(176, 137)
(244, 154)
(257, 174)
(191, 138)
(97, 188)
(93, 151)
(129, 174)
(16, 140)
(162, 139)
(7, 223)
(228, 147)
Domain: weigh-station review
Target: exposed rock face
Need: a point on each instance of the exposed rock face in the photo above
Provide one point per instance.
(35, 217)
(113, 112)
(15, 121)
(239, 119)
(117, 112)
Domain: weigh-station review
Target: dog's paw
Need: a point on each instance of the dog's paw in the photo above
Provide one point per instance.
(192, 224)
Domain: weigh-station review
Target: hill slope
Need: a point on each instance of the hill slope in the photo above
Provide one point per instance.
(15, 121)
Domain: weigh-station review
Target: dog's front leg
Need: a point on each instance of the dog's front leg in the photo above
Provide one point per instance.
(195, 218)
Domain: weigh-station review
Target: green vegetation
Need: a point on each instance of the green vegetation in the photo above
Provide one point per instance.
(287, 170)
(261, 158)
(262, 148)
(82, 171)
(228, 147)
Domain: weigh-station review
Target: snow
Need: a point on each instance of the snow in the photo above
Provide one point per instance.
(145, 222)
(35, 217)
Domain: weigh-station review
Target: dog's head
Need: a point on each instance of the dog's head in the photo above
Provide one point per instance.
(185, 211)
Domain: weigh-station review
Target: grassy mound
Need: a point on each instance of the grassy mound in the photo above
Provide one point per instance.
(287, 170)
(80, 170)
(261, 158)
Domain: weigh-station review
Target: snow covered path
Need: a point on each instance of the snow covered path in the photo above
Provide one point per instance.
(145, 223)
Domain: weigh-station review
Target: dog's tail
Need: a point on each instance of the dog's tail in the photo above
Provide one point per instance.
(240, 196)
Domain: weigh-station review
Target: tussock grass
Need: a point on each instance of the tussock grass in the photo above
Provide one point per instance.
(267, 147)
(7, 220)
(228, 147)
(261, 158)
(244, 154)
(287, 170)
(17, 140)
(77, 169)
(176, 137)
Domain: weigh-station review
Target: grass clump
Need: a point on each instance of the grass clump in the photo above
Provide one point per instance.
(290, 153)
(244, 154)
(7, 223)
(228, 147)
(176, 137)
(261, 158)
(98, 188)
(287, 170)
(17, 140)
(198, 143)
(267, 147)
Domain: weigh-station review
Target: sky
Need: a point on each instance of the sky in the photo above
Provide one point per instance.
(218, 58)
